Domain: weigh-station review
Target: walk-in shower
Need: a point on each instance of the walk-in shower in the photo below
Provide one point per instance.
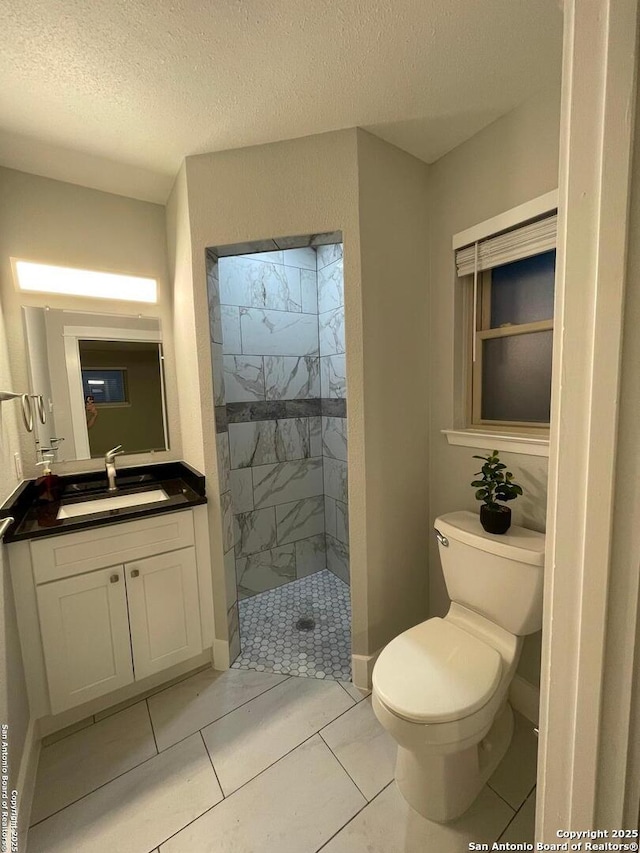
(278, 358)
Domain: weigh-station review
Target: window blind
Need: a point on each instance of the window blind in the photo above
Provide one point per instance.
(523, 242)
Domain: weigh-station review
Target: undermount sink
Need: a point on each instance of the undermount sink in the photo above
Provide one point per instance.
(116, 502)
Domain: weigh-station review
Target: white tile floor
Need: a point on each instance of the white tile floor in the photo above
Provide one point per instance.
(271, 642)
(252, 762)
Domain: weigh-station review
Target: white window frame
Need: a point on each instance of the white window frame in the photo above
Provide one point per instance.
(518, 437)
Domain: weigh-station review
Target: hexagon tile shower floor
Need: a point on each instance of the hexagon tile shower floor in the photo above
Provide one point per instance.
(272, 641)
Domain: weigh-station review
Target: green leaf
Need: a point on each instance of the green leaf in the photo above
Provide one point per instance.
(478, 483)
(481, 494)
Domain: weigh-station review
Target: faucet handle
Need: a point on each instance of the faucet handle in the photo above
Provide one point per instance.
(115, 451)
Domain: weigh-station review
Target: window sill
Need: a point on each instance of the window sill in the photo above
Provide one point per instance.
(524, 444)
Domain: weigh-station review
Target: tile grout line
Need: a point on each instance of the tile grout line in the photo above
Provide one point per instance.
(160, 689)
(134, 701)
(153, 731)
(351, 819)
(244, 784)
(516, 813)
(293, 748)
(215, 772)
(500, 797)
(226, 714)
(510, 821)
(160, 752)
(342, 765)
(288, 752)
(356, 701)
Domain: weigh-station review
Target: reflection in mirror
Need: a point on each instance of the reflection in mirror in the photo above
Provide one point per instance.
(101, 381)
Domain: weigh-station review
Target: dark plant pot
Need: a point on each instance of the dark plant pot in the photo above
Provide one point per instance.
(495, 520)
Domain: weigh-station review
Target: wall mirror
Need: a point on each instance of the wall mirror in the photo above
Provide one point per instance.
(97, 380)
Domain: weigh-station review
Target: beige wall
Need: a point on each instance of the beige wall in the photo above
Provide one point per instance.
(395, 297)
(14, 706)
(511, 161)
(64, 224)
(193, 364)
(313, 185)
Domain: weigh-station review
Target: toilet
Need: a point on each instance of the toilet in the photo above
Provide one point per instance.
(440, 689)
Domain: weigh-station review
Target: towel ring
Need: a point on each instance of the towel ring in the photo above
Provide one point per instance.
(42, 414)
(27, 412)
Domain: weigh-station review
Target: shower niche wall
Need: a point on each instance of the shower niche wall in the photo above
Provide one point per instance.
(276, 313)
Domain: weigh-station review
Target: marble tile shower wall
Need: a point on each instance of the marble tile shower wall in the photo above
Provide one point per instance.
(334, 422)
(277, 332)
(224, 463)
(271, 374)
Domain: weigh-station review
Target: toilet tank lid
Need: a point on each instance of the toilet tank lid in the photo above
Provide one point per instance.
(519, 543)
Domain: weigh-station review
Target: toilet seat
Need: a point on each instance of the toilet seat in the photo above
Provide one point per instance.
(436, 673)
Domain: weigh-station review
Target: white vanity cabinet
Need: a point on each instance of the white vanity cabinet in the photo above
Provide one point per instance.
(85, 636)
(163, 611)
(112, 605)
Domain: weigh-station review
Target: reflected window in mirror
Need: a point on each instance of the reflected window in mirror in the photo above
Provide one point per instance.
(106, 386)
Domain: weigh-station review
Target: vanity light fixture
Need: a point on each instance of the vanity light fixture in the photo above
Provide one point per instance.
(43, 278)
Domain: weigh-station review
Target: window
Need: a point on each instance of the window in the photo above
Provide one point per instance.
(511, 293)
(511, 374)
(106, 386)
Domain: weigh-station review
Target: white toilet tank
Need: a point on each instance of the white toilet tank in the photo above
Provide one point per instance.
(499, 577)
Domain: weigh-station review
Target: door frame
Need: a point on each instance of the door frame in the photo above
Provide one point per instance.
(598, 114)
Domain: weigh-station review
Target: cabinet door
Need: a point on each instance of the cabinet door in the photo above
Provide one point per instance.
(164, 611)
(85, 636)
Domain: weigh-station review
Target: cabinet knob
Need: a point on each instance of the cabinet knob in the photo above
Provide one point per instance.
(114, 578)
(135, 573)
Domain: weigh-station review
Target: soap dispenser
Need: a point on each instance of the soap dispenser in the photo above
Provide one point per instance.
(48, 485)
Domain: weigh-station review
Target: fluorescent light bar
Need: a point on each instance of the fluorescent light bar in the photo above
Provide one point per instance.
(95, 381)
(43, 278)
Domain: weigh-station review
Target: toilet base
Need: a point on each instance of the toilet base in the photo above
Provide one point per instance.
(443, 787)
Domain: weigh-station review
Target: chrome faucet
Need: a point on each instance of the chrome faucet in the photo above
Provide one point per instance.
(110, 465)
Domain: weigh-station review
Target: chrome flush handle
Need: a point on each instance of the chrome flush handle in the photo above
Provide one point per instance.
(441, 539)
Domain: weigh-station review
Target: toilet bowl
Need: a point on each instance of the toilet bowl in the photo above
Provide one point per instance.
(440, 688)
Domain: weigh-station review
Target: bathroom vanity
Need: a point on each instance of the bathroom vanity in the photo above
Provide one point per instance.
(108, 596)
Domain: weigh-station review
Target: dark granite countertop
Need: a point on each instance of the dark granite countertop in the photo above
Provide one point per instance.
(35, 518)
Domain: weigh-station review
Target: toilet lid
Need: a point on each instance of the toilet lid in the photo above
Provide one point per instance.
(436, 672)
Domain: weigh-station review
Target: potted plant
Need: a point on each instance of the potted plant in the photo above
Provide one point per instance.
(496, 485)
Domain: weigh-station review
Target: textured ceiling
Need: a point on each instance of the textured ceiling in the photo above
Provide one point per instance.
(116, 92)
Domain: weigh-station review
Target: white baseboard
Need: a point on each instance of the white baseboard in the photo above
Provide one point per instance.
(26, 781)
(221, 655)
(362, 669)
(525, 698)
